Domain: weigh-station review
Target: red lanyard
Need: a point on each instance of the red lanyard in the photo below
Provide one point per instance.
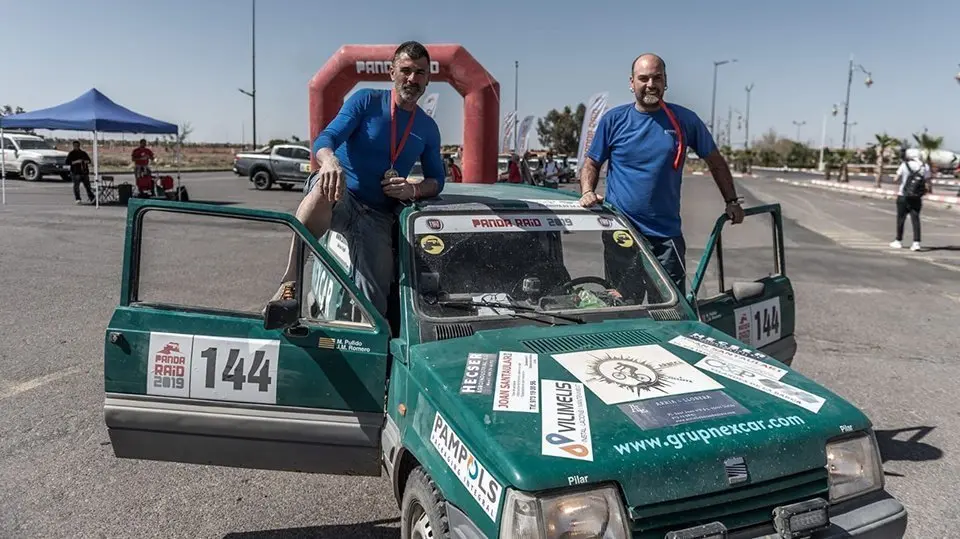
(394, 149)
(676, 127)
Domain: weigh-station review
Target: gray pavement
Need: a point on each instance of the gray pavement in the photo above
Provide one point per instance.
(876, 326)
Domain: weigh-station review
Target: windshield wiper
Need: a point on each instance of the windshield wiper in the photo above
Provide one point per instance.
(512, 306)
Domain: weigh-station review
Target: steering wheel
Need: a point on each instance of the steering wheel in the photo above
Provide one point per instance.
(567, 287)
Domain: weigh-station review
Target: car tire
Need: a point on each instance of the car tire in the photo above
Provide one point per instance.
(422, 513)
(262, 180)
(286, 186)
(30, 172)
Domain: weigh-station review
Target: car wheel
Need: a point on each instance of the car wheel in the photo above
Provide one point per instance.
(30, 172)
(422, 514)
(286, 186)
(262, 180)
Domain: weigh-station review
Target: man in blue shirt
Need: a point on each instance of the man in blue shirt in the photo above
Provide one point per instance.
(365, 154)
(645, 143)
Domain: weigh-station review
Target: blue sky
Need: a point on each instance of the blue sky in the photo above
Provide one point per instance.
(183, 60)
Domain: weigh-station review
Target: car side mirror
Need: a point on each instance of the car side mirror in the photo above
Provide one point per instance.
(281, 313)
(742, 291)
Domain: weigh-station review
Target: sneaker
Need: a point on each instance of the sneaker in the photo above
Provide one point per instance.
(896, 244)
(915, 246)
(78, 201)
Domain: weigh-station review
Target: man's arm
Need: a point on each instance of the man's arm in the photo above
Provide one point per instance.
(589, 175)
(721, 175)
(340, 129)
(594, 156)
(433, 175)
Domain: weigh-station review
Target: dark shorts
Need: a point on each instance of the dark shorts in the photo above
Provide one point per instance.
(369, 236)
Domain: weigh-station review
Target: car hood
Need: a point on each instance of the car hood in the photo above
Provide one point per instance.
(46, 153)
(621, 401)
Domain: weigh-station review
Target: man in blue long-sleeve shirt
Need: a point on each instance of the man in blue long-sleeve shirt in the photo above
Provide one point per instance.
(365, 154)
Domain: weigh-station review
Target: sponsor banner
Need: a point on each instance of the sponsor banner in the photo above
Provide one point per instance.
(518, 222)
(524, 133)
(679, 440)
(759, 324)
(429, 104)
(509, 124)
(778, 389)
(518, 382)
(561, 204)
(382, 67)
(478, 374)
(565, 421)
(168, 364)
(732, 354)
(673, 411)
(596, 107)
(634, 373)
(471, 472)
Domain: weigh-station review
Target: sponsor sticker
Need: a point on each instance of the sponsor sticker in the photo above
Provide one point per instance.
(519, 222)
(431, 244)
(633, 373)
(518, 382)
(168, 364)
(471, 472)
(733, 371)
(623, 238)
(673, 411)
(759, 324)
(565, 421)
(742, 357)
(478, 374)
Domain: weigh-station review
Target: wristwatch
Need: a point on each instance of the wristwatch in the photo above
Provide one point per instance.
(734, 200)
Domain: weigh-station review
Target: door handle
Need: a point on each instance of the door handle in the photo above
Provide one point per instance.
(296, 331)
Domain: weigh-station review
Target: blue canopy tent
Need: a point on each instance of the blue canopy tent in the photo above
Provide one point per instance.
(94, 112)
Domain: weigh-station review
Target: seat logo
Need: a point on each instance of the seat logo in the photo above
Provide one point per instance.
(736, 469)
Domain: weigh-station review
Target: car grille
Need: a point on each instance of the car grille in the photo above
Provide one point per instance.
(743, 507)
(575, 343)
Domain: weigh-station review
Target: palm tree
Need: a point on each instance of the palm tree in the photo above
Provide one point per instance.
(884, 141)
(928, 143)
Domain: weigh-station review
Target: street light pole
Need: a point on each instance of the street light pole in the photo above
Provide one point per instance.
(713, 106)
(253, 55)
(846, 104)
(516, 100)
(799, 124)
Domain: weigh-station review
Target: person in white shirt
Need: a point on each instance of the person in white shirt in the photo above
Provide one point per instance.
(914, 177)
(551, 171)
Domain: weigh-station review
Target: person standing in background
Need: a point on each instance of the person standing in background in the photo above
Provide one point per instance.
(915, 179)
(79, 163)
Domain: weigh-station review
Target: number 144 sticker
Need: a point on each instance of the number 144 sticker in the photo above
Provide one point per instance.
(758, 324)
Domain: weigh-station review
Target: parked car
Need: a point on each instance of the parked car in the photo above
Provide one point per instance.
(31, 157)
(537, 374)
(287, 165)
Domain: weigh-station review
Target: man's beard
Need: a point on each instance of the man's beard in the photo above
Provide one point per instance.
(409, 92)
(650, 99)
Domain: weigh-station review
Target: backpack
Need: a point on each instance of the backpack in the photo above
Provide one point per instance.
(916, 184)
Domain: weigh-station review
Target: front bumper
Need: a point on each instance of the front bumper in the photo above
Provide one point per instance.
(54, 168)
(873, 516)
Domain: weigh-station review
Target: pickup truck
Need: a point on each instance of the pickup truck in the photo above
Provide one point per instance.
(30, 157)
(283, 164)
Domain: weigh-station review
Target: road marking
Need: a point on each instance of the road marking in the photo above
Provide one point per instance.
(860, 290)
(15, 389)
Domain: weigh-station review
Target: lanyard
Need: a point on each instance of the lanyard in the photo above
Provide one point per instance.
(394, 149)
(676, 127)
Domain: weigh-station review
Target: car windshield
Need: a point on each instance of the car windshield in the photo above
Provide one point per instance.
(34, 144)
(479, 264)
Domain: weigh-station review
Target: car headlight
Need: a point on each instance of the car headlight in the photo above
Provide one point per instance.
(854, 467)
(593, 514)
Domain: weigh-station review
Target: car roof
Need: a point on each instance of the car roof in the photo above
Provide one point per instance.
(500, 196)
(21, 135)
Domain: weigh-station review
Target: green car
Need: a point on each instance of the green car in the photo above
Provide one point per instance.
(537, 375)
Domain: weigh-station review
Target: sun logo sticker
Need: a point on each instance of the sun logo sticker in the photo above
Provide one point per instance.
(618, 375)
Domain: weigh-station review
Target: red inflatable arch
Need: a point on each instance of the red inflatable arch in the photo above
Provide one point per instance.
(449, 63)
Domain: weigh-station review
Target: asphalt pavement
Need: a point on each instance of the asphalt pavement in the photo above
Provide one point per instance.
(875, 325)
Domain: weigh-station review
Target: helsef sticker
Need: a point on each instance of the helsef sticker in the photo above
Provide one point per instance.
(565, 421)
(518, 381)
(474, 475)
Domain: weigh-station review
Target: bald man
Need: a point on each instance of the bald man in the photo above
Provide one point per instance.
(645, 143)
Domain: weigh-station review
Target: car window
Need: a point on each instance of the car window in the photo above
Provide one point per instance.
(7, 144)
(301, 153)
(34, 144)
(285, 152)
(530, 258)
